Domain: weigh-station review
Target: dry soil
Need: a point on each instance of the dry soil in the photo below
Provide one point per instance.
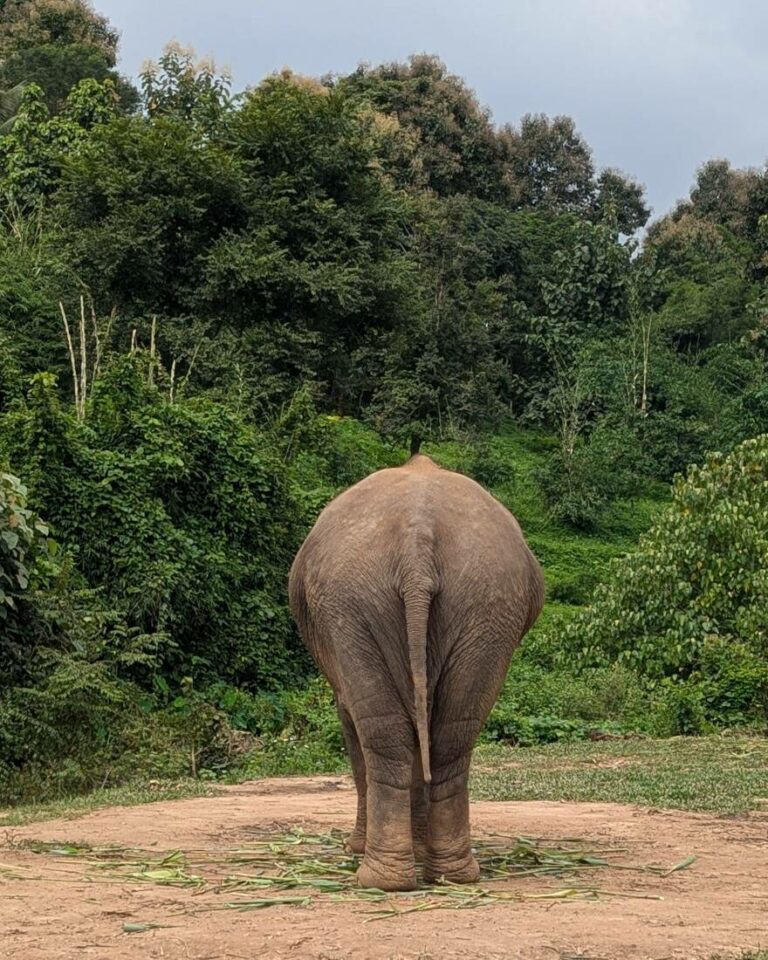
(48, 911)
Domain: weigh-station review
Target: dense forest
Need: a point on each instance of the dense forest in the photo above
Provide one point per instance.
(219, 308)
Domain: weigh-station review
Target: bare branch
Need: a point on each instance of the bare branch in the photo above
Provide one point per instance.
(72, 358)
(152, 336)
(83, 360)
(188, 374)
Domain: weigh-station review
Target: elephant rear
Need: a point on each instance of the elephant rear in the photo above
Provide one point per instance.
(415, 568)
(411, 592)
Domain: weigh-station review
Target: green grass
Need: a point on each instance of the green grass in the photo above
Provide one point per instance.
(749, 955)
(70, 808)
(726, 775)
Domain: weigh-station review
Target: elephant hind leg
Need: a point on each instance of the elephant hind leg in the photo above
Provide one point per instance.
(449, 852)
(388, 744)
(355, 842)
(466, 690)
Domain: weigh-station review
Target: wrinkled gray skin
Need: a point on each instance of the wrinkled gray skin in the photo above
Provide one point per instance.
(411, 592)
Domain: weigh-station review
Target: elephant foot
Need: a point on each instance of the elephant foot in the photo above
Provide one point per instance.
(371, 875)
(355, 843)
(463, 870)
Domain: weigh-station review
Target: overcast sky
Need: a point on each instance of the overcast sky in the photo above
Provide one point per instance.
(655, 86)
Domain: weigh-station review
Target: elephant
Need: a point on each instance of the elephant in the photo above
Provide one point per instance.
(411, 592)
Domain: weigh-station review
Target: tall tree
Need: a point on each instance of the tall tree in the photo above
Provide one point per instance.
(548, 164)
(456, 148)
(33, 152)
(619, 200)
(56, 44)
(179, 85)
(721, 195)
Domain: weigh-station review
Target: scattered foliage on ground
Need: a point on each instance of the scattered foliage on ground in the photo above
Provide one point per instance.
(299, 869)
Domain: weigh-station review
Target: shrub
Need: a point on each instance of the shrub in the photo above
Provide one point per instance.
(180, 513)
(679, 711)
(701, 572)
(24, 546)
(734, 683)
(303, 735)
(575, 587)
(507, 726)
(491, 465)
(540, 705)
(601, 468)
(20, 535)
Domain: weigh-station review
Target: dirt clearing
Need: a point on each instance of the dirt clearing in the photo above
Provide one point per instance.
(65, 903)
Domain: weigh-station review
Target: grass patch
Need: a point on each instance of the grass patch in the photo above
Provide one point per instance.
(727, 775)
(70, 808)
(719, 774)
(748, 955)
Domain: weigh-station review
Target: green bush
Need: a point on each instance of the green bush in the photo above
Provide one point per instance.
(507, 726)
(303, 735)
(491, 465)
(603, 467)
(21, 534)
(180, 513)
(679, 711)
(541, 705)
(701, 572)
(734, 683)
(575, 587)
(26, 552)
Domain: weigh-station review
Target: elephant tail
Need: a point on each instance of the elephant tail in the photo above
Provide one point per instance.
(417, 605)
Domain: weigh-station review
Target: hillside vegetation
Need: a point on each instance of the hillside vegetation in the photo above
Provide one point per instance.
(218, 309)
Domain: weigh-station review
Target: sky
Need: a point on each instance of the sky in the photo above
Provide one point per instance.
(656, 87)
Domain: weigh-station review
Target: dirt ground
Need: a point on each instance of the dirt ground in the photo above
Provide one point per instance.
(48, 911)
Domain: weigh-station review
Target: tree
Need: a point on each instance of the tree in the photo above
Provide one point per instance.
(33, 152)
(699, 574)
(619, 201)
(21, 534)
(56, 44)
(735, 203)
(707, 286)
(140, 203)
(451, 368)
(547, 164)
(156, 498)
(278, 233)
(588, 293)
(455, 148)
(184, 88)
(721, 195)
(579, 395)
